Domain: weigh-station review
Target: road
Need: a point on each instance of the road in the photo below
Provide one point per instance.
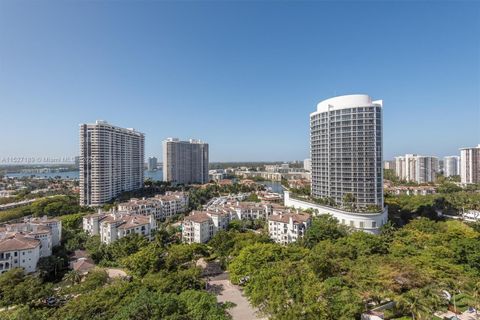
(226, 291)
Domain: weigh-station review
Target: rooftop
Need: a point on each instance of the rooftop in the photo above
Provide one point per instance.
(285, 218)
(198, 217)
(18, 241)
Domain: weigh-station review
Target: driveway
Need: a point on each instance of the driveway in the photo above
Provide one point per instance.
(226, 291)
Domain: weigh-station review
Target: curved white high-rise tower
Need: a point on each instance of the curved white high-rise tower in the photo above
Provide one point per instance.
(346, 150)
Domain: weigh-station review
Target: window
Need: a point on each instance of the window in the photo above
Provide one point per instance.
(374, 224)
(362, 224)
(352, 224)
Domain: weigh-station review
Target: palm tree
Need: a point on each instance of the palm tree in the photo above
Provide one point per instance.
(475, 294)
(414, 303)
(73, 277)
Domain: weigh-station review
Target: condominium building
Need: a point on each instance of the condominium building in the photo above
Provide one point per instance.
(111, 162)
(346, 150)
(19, 251)
(451, 166)
(470, 165)
(289, 227)
(201, 226)
(55, 226)
(152, 164)
(115, 225)
(161, 206)
(23, 244)
(307, 165)
(389, 164)
(185, 162)
(416, 168)
(39, 232)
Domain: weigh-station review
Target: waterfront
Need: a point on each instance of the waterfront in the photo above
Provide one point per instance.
(66, 175)
(157, 175)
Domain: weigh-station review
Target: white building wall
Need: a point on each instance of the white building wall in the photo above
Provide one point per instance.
(111, 162)
(365, 222)
(451, 165)
(26, 259)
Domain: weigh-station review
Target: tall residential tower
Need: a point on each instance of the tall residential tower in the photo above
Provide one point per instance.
(185, 162)
(470, 165)
(420, 169)
(346, 150)
(451, 166)
(111, 162)
(347, 164)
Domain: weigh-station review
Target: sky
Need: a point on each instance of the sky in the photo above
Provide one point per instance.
(242, 76)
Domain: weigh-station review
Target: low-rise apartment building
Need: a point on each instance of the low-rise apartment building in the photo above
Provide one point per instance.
(197, 227)
(31, 231)
(201, 226)
(55, 226)
(23, 244)
(18, 250)
(115, 225)
(288, 227)
(161, 206)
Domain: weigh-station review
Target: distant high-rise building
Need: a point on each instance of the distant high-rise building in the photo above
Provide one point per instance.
(420, 169)
(307, 165)
(389, 164)
(77, 162)
(185, 162)
(111, 162)
(346, 150)
(451, 166)
(470, 165)
(152, 164)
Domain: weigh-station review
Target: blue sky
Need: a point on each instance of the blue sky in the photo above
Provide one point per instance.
(243, 76)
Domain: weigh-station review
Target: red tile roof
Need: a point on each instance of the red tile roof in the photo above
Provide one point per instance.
(18, 242)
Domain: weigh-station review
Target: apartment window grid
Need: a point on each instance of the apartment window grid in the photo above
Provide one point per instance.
(346, 153)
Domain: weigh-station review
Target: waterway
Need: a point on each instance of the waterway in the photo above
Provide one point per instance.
(274, 186)
(154, 175)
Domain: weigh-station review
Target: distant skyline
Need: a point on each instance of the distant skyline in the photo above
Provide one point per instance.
(241, 76)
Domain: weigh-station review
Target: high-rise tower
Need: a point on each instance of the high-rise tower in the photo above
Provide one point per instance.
(185, 162)
(111, 162)
(346, 151)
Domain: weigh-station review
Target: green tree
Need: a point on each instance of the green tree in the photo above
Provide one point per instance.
(324, 227)
(73, 277)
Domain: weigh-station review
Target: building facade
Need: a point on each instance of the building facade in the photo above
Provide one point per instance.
(451, 166)
(289, 227)
(416, 168)
(389, 164)
(201, 226)
(161, 206)
(111, 162)
(185, 162)
(470, 165)
(19, 251)
(115, 225)
(307, 165)
(346, 150)
(152, 164)
(23, 244)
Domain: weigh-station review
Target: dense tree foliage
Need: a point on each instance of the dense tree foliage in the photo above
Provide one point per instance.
(336, 274)
(49, 206)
